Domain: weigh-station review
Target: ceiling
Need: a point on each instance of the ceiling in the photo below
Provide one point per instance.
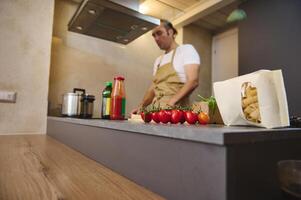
(167, 9)
(171, 9)
(217, 21)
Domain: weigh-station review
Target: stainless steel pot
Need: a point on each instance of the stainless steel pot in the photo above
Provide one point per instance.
(71, 103)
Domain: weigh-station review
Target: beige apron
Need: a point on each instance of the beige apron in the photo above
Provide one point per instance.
(166, 84)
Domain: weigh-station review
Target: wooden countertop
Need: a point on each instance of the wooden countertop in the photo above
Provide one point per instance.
(39, 167)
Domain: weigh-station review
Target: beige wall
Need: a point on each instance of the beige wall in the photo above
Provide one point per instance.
(26, 28)
(201, 39)
(87, 62)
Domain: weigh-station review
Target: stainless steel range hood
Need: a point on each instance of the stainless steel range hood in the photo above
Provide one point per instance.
(116, 21)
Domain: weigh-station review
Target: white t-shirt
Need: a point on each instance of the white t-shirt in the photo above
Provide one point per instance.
(185, 54)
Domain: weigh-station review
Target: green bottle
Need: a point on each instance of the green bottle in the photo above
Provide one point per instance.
(106, 101)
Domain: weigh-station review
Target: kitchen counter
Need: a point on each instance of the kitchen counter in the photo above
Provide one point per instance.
(212, 134)
(186, 161)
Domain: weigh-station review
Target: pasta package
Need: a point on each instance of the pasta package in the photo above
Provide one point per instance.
(257, 99)
(249, 101)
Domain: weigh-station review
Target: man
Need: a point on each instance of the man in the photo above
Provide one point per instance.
(176, 73)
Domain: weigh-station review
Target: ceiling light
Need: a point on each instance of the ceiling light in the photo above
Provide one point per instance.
(92, 12)
(79, 28)
(143, 8)
(133, 27)
(144, 28)
(236, 15)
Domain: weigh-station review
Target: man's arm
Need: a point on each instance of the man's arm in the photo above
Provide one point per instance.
(147, 99)
(192, 75)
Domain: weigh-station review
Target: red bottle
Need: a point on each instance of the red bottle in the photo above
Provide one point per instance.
(118, 99)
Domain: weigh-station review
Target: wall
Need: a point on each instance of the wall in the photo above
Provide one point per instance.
(270, 38)
(87, 62)
(26, 28)
(201, 39)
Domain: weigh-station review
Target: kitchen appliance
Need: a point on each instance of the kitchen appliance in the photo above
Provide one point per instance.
(86, 110)
(71, 103)
(115, 20)
(289, 175)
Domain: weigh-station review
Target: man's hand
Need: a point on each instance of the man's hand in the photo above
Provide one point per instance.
(147, 99)
(136, 110)
(171, 102)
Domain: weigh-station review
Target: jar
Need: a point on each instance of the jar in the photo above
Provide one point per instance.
(118, 99)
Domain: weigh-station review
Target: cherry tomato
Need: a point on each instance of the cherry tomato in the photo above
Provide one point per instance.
(164, 116)
(155, 117)
(191, 117)
(177, 116)
(168, 112)
(203, 118)
(147, 117)
(182, 120)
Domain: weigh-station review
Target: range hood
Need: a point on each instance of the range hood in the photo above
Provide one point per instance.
(116, 21)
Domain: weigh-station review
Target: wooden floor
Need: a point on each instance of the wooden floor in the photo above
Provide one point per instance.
(38, 167)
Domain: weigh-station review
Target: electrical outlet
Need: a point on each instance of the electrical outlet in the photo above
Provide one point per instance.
(8, 96)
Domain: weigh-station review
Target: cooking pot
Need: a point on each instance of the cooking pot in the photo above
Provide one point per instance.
(86, 108)
(71, 103)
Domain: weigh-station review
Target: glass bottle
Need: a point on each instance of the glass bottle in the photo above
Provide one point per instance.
(106, 101)
(118, 99)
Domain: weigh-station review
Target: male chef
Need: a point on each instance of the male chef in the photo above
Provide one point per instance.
(175, 73)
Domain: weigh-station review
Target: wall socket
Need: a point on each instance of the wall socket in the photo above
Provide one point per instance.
(8, 96)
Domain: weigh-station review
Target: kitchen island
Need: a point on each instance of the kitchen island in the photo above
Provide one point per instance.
(212, 162)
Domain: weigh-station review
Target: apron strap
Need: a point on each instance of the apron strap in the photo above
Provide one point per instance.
(172, 58)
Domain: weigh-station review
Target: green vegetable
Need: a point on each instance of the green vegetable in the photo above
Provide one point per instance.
(211, 103)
